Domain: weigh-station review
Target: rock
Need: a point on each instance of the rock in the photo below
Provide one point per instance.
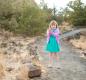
(34, 71)
(84, 53)
(83, 33)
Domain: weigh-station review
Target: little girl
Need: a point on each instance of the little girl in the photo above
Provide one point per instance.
(53, 46)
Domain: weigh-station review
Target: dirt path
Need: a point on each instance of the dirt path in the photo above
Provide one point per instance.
(72, 67)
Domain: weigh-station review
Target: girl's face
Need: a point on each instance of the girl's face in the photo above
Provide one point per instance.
(53, 25)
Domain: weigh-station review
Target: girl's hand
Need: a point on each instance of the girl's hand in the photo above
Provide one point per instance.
(49, 32)
(49, 29)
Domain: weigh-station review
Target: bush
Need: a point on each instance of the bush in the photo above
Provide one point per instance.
(78, 16)
(26, 19)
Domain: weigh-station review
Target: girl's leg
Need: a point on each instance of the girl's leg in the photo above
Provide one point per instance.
(50, 58)
(55, 57)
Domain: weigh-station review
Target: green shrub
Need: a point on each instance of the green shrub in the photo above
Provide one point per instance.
(24, 18)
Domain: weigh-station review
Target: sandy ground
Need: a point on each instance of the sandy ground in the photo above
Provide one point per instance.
(70, 65)
(13, 66)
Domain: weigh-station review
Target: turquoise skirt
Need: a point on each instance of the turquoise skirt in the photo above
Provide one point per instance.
(53, 46)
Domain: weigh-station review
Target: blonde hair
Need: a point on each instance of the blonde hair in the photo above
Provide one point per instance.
(53, 21)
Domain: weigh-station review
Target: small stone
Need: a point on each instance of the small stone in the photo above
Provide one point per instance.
(34, 71)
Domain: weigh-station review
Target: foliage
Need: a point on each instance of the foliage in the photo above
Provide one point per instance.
(75, 13)
(22, 16)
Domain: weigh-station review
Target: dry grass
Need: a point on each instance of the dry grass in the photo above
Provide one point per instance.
(22, 73)
(80, 43)
(13, 65)
(2, 71)
(18, 70)
(2, 66)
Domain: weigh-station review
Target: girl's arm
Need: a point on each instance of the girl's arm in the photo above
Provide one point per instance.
(48, 32)
(56, 33)
(48, 35)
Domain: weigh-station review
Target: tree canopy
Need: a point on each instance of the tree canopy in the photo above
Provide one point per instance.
(75, 13)
(22, 16)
